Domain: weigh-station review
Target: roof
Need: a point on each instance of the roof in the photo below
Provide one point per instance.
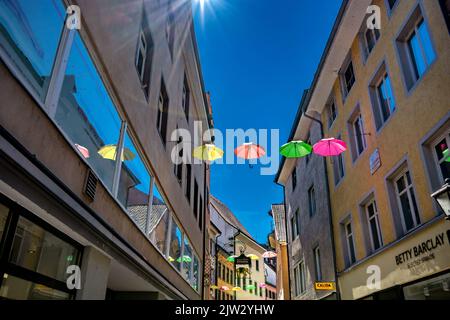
(228, 216)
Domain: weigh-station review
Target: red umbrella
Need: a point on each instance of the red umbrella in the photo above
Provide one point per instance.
(250, 151)
(329, 147)
(83, 150)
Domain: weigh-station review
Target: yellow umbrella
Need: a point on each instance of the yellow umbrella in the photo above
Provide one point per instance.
(208, 152)
(214, 287)
(237, 289)
(109, 152)
(253, 257)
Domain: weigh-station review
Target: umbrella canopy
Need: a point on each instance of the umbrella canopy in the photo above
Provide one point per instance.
(224, 288)
(250, 287)
(214, 287)
(184, 259)
(296, 149)
(171, 259)
(83, 150)
(262, 285)
(329, 147)
(269, 255)
(446, 154)
(253, 256)
(231, 258)
(236, 289)
(250, 151)
(109, 152)
(208, 152)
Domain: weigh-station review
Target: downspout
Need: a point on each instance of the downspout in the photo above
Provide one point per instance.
(333, 246)
(287, 242)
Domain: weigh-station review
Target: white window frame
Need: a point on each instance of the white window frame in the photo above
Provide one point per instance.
(348, 237)
(376, 218)
(382, 81)
(142, 50)
(345, 90)
(358, 119)
(408, 188)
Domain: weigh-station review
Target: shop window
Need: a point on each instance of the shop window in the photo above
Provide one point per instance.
(159, 221)
(415, 48)
(187, 260)
(134, 185)
(382, 97)
(87, 114)
(176, 242)
(29, 33)
(15, 288)
(437, 288)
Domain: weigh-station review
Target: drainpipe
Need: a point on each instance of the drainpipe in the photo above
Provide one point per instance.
(322, 133)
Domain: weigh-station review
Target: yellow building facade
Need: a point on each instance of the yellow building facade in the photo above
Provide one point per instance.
(385, 92)
(225, 277)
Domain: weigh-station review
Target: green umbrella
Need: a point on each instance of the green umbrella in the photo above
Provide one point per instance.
(446, 154)
(250, 287)
(296, 149)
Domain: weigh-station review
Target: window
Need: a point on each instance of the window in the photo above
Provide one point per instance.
(441, 149)
(257, 265)
(30, 43)
(163, 108)
(331, 112)
(134, 185)
(176, 242)
(170, 29)
(302, 277)
(297, 282)
(445, 6)
(188, 181)
(415, 49)
(186, 260)
(312, 201)
(349, 239)
(295, 224)
(338, 168)
(407, 201)
(369, 38)
(373, 224)
(347, 77)
(195, 198)
(159, 221)
(308, 157)
(317, 265)
(357, 134)
(38, 258)
(144, 55)
(178, 166)
(382, 96)
(186, 98)
(391, 4)
(294, 178)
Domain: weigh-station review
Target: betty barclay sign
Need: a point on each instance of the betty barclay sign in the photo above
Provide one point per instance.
(426, 248)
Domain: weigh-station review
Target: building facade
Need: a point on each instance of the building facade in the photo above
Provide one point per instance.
(304, 181)
(384, 92)
(73, 97)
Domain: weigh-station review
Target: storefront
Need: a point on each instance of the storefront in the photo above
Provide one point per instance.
(416, 267)
(34, 256)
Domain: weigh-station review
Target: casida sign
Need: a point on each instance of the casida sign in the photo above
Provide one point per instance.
(325, 286)
(421, 254)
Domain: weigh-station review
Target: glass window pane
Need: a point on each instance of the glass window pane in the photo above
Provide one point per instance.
(426, 43)
(38, 250)
(390, 95)
(87, 114)
(417, 55)
(176, 238)
(19, 289)
(159, 221)
(134, 185)
(401, 184)
(29, 33)
(187, 259)
(195, 274)
(374, 230)
(406, 209)
(4, 211)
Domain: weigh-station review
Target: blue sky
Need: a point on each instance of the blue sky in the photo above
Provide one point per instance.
(257, 58)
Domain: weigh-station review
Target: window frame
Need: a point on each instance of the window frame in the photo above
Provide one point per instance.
(317, 264)
(407, 190)
(376, 217)
(342, 76)
(312, 204)
(351, 253)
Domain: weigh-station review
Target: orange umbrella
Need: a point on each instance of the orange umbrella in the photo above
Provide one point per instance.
(249, 151)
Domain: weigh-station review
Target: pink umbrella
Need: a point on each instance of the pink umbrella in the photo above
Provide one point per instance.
(262, 285)
(250, 150)
(269, 255)
(83, 150)
(224, 288)
(329, 147)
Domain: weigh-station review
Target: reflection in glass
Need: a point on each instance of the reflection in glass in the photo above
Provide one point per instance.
(29, 33)
(175, 245)
(187, 259)
(38, 250)
(195, 273)
(20, 289)
(87, 114)
(134, 185)
(159, 221)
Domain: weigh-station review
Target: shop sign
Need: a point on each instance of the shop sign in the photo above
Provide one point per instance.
(328, 286)
(242, 260)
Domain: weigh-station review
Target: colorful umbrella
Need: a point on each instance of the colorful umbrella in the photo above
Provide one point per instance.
(329, 147)
(231, 258)
(83, 150)
(109, 152)
(250, 287)
(253, 257)
(236, 289)
(250, 151)
(208, 152)
(269, 255)
(184, 259)
(214, 287)
(224, 288)
(171, 259)
(262, 285)
(296, 149)
(446, 154)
